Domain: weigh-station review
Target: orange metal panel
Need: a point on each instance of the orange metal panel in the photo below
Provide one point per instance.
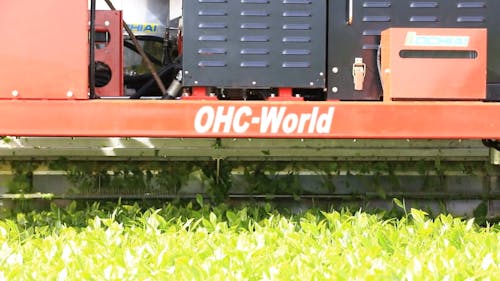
(44, 51)
(250, 119)
(422, 63)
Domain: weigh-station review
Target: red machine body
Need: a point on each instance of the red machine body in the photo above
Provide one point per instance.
(44, 57)
(236, 119)
(44, 91)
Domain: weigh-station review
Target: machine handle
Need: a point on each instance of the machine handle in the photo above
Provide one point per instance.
(358, 73)
(350, 11)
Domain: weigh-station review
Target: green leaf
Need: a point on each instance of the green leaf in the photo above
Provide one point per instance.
(199, 200)
(481, 211)
(418, 215)
(470, 225)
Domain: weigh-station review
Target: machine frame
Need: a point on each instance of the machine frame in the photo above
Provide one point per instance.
(158, 118)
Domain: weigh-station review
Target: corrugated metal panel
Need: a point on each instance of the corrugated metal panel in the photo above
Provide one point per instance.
(255, 43)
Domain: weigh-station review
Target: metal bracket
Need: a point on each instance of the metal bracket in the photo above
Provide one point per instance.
(358, 73)
(494, 156)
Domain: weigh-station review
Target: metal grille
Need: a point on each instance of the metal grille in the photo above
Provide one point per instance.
(255, 43)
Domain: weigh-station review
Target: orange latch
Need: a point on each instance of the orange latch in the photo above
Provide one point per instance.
(358, 73)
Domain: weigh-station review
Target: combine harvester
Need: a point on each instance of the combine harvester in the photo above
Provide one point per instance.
(348, 98)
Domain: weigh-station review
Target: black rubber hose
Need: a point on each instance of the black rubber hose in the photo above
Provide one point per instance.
(151, 86)
(491, 143)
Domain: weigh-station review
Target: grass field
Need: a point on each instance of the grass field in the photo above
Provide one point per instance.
(200, 242)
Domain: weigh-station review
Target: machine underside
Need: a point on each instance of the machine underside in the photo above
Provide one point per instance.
(453, 176)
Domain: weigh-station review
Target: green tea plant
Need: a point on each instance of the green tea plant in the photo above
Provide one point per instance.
(199, 241)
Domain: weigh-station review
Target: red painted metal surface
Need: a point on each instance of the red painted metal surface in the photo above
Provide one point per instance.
(44, 51)
(250, 119)
(422, 63)
(285, 94)
(111, 52)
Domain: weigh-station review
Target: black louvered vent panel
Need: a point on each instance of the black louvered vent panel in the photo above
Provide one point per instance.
(255, 43)
(361, 38)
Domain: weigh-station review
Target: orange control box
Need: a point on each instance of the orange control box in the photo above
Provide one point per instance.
(434, 63)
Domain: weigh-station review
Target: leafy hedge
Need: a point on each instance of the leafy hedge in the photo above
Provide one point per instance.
(201, 242)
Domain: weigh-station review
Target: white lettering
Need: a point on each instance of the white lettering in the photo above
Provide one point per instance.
(314, 118)
(238, 126)
(413, 39)
(302, 123)
(271, 120)
(325, 122)
(204, 119)
(223, 118)
(290, 123)
(271, 117)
